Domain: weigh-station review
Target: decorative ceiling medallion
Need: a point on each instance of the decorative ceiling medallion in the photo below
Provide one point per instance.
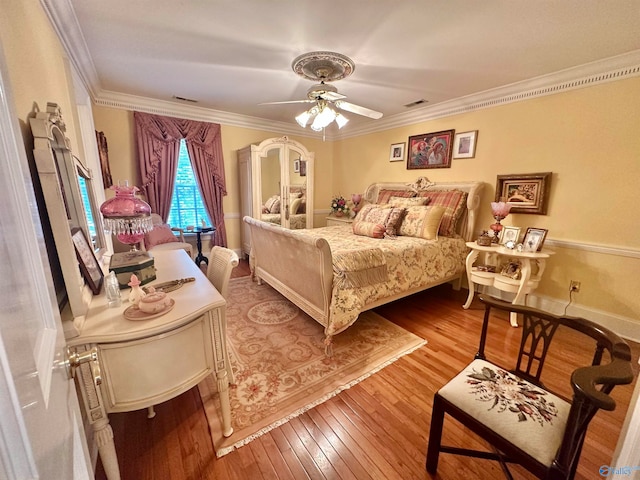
(323, 66)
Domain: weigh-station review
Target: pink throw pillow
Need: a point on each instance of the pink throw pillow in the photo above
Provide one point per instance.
(160, 234)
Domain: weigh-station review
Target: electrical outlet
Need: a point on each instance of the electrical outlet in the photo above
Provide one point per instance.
(574, 286)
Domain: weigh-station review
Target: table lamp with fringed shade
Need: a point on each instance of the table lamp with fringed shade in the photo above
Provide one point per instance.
(500, 211)
(126, 216)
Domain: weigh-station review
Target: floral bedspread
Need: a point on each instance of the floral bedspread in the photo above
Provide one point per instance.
(410, 263)
(297, 221)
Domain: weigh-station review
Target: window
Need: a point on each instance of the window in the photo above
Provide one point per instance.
(187, 207)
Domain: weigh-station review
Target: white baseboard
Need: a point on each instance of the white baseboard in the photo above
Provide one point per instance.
(626, 327)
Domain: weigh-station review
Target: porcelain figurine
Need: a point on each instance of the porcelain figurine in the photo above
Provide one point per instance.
(154, 302)
(136, 293)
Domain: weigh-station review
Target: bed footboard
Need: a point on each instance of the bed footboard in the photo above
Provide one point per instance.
(276, 254)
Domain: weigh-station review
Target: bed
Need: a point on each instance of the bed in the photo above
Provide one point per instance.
(333, 274)
(271, 209)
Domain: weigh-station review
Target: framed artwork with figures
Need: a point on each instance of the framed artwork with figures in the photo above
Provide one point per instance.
(430, 150)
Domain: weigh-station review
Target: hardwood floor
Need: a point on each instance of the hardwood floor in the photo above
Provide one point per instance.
(378, 429)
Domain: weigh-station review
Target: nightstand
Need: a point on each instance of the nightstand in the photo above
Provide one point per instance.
(522, 286)
(333, 220)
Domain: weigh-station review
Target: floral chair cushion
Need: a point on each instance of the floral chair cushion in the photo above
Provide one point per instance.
(526, 415)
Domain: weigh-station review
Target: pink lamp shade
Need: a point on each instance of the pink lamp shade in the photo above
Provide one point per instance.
(126, 216)
(500, 209)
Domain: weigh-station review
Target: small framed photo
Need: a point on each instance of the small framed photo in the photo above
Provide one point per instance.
(397, 152)
(534, 239)
(296, 166)
(89, 265)
(509, 234)
(430, 150)
(526, 193)
(464, 144)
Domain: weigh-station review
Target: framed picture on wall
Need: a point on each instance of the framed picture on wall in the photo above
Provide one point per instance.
(296, 166)
(526, 193)
(397, 152)
(430, 150)
(464, 145)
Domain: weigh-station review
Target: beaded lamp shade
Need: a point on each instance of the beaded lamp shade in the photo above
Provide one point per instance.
(126, 216)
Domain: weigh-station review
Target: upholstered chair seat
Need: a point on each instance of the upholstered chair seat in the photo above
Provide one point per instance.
(164, 237)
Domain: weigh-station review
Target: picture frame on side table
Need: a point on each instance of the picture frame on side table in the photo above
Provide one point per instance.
(464, 144)
(526, 193)
(509, 234)
(89, 266)
(430, 150)
(534, 239)
(396, 153)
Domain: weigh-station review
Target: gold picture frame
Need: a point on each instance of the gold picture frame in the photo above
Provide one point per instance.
(526, 193)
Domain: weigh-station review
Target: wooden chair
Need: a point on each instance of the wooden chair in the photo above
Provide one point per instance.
(163, 238)
(524, 421)
(222, 261)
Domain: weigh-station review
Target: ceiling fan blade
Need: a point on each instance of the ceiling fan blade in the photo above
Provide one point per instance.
(332, 96)
(350, 107)
(290, 101)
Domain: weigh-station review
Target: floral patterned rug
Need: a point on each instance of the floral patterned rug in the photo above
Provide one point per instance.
(279, 362)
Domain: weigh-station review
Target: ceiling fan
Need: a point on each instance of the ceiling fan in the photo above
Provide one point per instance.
(325, 67)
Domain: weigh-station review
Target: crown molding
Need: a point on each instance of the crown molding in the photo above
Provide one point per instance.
(65, 23)
(587, 75)
(604, 71)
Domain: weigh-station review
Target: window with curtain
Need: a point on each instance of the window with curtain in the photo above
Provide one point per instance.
(187, 207)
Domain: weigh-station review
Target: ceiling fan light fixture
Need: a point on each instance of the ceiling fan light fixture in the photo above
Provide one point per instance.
(341, 120)
(304, 118)
(324, 118)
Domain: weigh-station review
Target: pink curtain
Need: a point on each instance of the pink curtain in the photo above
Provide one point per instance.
(158, 143)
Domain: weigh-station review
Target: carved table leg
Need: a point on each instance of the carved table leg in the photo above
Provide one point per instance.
(473, 255)
(107, 449)
(225, 404)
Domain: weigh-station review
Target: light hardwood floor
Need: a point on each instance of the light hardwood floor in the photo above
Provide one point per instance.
(376, 430)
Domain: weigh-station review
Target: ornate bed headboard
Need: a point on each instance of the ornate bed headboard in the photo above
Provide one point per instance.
(466, 226)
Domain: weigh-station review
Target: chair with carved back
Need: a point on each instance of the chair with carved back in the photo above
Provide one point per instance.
(511, 408)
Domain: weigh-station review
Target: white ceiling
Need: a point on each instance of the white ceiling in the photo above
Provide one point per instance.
(232, 55)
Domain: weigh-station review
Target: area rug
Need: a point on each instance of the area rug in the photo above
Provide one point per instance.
(279, 363)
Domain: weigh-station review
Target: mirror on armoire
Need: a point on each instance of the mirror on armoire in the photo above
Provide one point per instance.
(276, 183)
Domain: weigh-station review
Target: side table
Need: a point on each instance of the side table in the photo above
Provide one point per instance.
(522, 286)
(198, 231)
(332, 220)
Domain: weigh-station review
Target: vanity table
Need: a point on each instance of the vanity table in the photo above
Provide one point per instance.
(141, 363)
(522, 286)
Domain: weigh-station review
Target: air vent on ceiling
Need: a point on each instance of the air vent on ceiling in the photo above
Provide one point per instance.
(185, 99)
(416, 103)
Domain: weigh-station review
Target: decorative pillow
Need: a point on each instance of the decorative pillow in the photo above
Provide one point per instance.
(408, 202)
(385, 195)
(368, 229)
(158, 235)
(386, 215)
(422, 222)
(293, 196)
(454, 203)
(295, 205)
(273, 204)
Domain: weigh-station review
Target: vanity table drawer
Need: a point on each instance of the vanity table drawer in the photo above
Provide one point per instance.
(173, 363)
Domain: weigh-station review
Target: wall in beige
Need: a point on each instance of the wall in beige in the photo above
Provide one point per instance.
(588, 138)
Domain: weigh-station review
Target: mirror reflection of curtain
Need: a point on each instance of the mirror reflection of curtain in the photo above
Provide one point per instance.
(158, 143)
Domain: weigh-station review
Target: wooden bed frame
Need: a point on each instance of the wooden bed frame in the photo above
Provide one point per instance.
(301, 268)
